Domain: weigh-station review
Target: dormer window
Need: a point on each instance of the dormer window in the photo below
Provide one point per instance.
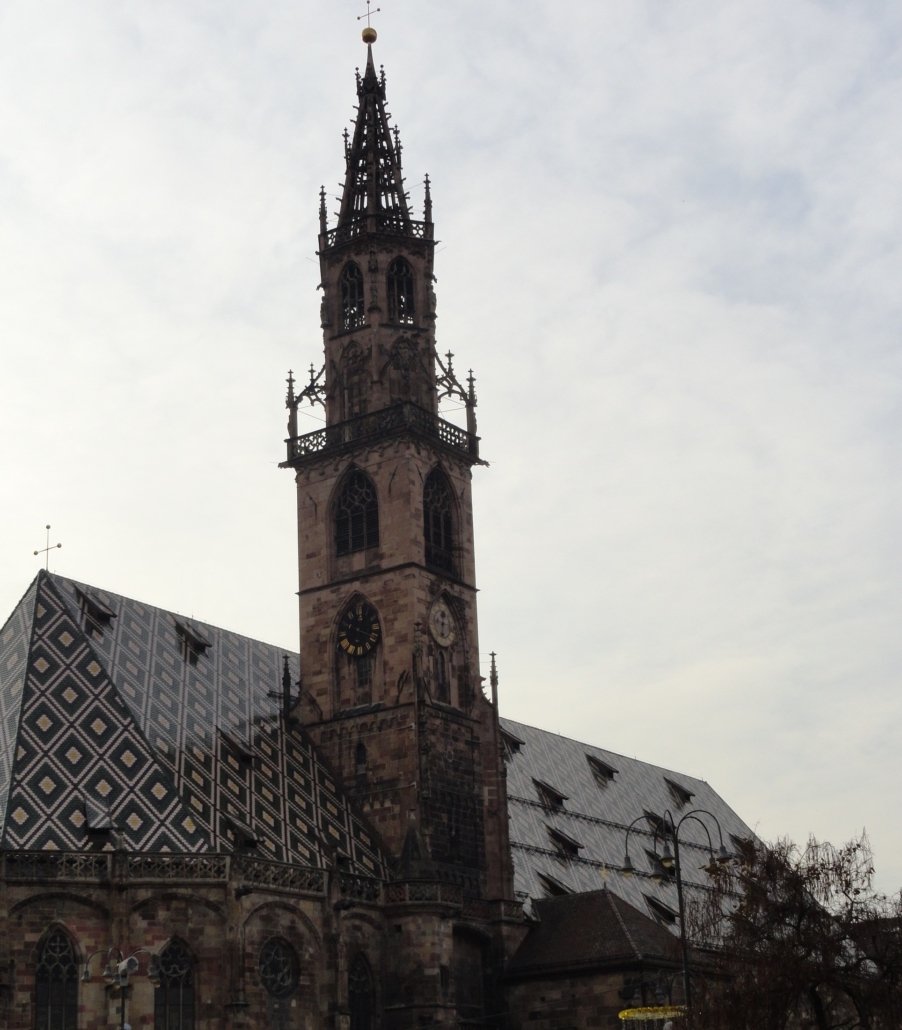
(657, 822)
(99, 823)
(95, 615)
(664, 915)
(604, 774)
(741, 845)
(240, 751)
(240, 835)
(658, 869)
(510, 744)
(550, 796)
(680, 795)
(565, 845)
(192, 642)
(553, 888)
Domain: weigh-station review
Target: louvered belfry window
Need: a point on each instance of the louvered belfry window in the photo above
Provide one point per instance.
(356, 515)
(351, 283)
(56, 985)
(400, 292)
(438, 522)
(174, 998)
(360, 994)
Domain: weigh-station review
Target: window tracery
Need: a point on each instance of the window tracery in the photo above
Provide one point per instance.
(360, 994)
(356, 515)
(174, 998)
(56, 984)
(400, 292)
(278, 968)
(351, 285)
(438, 522)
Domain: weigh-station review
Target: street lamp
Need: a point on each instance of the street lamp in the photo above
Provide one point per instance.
(117, 972)
(669, 831)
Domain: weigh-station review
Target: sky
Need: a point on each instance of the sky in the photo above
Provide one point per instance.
(669, 251)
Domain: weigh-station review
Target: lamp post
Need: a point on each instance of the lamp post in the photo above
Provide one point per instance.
(669, 831)
(117, 972)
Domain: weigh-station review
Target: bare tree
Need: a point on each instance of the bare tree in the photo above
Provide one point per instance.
(799, 938)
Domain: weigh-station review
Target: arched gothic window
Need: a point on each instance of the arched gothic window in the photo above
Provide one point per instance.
(360, 994)
(356, 515)
(174, 998)
(442, 677)
(56, 984)
(278, 969)
(360, 758)
(400, 292)
(438, 522)
(351, 283)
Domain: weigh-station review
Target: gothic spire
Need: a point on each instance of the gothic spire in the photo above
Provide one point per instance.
(373, 182)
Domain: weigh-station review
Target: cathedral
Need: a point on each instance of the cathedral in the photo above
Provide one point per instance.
(199, 830)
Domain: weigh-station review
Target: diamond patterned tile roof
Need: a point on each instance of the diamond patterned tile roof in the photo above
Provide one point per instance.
(14, 641)
(118, 724)
(601, 793)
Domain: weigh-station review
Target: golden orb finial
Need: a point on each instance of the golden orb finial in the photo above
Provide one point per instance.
(368, 35)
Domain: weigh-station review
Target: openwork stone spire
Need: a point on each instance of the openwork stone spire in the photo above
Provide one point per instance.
(373, 182)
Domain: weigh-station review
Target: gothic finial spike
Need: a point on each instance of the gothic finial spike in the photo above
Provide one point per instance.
(493, 681)
(323, 218)
(369, 77)
(427, 204)
(372, 185)
(291, 402)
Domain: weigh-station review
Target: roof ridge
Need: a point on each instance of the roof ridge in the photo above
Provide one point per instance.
(79, 585)
(622, 923)
(605, 751)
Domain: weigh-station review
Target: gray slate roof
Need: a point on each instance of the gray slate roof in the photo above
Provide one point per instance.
(596, 813)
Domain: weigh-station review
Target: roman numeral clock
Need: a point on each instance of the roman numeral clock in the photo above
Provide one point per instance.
(359, 629)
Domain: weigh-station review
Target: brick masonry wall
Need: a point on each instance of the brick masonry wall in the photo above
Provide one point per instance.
(215, 929)
(587, 1002)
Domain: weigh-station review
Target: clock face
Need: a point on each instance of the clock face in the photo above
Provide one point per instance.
(359, 630)
(441, 623)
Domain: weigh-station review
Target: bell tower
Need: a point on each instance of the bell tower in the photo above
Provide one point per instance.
(390, 685)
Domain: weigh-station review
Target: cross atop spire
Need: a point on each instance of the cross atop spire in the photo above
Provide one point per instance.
(374, 185)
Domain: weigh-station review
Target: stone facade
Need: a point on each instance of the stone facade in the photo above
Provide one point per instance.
(428, 949)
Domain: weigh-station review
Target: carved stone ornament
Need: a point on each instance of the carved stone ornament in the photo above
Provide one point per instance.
(404, 355)
(354, 359)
